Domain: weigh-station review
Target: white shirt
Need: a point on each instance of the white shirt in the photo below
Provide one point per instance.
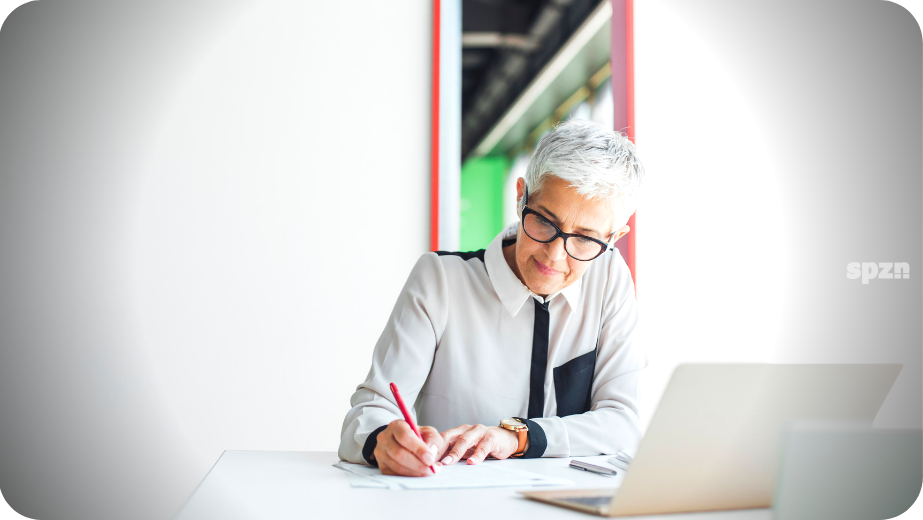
(458, 345)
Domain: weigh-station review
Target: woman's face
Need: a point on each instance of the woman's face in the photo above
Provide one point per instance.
(546, 268)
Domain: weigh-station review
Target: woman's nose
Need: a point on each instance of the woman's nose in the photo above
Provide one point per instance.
(556, 249)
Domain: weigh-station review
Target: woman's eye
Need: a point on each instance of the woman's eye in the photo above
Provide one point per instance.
(545, 222)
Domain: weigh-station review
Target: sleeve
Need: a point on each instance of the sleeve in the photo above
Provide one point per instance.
(612, 423)
(403, 354)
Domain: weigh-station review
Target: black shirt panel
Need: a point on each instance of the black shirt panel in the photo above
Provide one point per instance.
(573, 382)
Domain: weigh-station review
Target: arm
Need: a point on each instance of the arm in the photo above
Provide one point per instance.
(403, 354)
(612, 424)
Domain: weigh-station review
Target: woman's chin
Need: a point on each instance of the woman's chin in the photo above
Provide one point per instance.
(540, 284)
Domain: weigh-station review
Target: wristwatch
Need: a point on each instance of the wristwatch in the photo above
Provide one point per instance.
(521, 430)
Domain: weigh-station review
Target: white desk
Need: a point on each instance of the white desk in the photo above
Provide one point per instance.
(304, 485)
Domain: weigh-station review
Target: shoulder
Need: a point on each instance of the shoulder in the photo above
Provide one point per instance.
(437, 266)
(620, 286)
(463, 263)
(610, 276)
(427, 272)
(618, 274)
(428, 263)
(609, 269)
(463, 256)
(465, 272)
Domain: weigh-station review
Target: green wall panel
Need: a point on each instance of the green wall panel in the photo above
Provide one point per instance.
(482, 181)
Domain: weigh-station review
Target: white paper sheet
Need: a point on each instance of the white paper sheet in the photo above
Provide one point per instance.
(454, 476)
(358, 481)
(623, 459)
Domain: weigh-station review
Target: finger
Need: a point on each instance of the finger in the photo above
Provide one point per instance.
(401, 461)
(385, 467)
(405, 463)
(462, 443)
(450, 436)
(393, 468)
(481, 451)
(397, 458)
(433, 440)
(383, 459)
(469, 453)
(457, 448)
(406, 437)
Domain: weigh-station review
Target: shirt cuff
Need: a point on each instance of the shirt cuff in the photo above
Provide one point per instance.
(537, 440)
(370, 443)
(557, 443)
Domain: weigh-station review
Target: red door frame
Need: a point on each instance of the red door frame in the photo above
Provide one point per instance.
(434, 145)
(623, 96)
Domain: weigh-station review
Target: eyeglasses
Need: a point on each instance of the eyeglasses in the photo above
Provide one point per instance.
(540, 229)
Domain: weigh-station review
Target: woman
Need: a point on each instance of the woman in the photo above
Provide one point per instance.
(525, 348)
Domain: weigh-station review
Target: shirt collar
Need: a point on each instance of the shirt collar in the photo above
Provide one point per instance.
(512, 292)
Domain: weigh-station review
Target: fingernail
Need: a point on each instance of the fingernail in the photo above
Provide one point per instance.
(428, 459)
(447, 460)
(435, 469)
(433, 448)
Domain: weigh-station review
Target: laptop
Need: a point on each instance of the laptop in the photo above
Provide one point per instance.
(714, 441)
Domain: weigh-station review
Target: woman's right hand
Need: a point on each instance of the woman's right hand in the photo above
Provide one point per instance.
(400, 452)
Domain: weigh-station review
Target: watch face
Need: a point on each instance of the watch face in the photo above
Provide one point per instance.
(512, 423)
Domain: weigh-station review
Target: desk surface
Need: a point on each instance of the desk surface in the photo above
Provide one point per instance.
(304, 485)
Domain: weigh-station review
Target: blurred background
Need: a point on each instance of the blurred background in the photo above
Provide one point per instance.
(208, 209)
(525, 67)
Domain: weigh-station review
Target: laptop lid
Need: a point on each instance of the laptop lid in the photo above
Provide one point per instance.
(714, 440)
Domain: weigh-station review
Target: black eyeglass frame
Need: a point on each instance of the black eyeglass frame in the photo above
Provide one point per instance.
(604, 246)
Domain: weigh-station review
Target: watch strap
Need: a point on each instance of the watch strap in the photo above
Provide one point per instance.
(523, 435)
(538, 442)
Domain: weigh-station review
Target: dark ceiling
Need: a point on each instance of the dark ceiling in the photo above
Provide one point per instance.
(505, 44)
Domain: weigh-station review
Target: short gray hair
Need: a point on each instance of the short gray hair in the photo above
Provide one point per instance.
(598, 163)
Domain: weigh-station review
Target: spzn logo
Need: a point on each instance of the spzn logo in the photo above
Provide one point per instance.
(881, 270)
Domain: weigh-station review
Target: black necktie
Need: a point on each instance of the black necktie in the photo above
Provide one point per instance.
(539, 360)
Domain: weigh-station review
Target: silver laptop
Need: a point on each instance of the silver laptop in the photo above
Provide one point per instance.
(714, 441)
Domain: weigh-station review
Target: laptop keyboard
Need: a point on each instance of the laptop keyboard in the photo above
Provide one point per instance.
(589, 501)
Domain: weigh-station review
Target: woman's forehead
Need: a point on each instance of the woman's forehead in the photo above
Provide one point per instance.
(561, 201)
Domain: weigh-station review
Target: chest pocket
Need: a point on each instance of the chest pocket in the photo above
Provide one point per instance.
(572, 384)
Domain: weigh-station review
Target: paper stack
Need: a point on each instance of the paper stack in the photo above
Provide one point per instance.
(622, 459)
(484, 475)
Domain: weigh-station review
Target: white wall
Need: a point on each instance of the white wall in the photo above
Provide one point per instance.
(285, 204)
(209, 209)
(781, 141)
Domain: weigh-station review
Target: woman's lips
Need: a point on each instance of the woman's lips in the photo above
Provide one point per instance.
(544, 269)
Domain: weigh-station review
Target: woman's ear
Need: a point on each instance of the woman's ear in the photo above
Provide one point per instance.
(520, 189)
(620, 233)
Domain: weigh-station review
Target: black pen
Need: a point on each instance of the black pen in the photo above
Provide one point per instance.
(576, 464)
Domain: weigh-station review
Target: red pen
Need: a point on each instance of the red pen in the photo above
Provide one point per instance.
(403, 407)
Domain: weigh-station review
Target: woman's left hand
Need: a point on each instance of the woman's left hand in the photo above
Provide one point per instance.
(477, 442)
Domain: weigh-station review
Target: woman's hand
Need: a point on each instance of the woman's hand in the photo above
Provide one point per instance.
(400, 452)
(477, 442)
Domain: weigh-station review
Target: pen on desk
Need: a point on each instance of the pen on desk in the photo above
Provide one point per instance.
(576, 464)
(407, 417)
